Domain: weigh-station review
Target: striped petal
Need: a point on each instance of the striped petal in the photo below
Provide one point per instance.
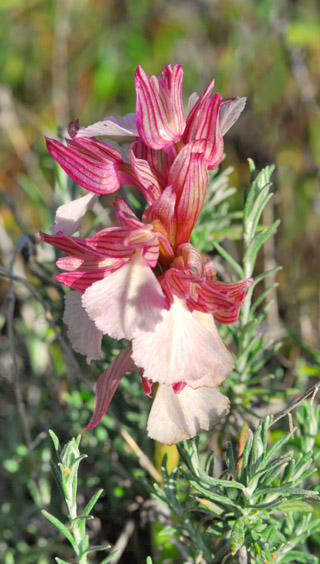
(159, 108)
(189, 179)
(203, 128)
(149, 182)
(164, 209)
(90, 163)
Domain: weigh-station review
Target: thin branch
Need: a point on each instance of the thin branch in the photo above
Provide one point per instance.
(122, 541)
(144, 460)
(312, 391)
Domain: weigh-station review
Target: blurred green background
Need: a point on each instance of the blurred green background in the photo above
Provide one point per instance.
(67, 59)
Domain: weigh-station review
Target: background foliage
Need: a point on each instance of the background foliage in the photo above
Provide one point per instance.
(68, 59)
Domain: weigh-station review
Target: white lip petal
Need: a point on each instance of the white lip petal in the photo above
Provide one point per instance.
(82, 332)
(176, 417)
(180, 348)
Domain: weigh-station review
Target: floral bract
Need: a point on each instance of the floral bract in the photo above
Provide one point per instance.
(142, 280)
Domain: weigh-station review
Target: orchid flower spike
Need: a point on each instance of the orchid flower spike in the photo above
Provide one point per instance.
(142, 280)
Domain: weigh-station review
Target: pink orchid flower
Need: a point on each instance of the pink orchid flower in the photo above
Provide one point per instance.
(142, 280)
(169, 318)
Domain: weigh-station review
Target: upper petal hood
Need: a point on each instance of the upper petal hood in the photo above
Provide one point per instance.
(159, 108)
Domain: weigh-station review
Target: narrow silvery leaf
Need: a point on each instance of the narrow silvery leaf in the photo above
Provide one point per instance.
(55, 441)
(92, 502)
(237, 535)
(62, 528)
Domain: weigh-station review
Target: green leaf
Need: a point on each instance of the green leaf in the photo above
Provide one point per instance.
(209, 494)
(97, 548)
(257, 242)
(60, 561)
(55, 440)
(80, 519)
(263, 275)
(262, 296)
(62, 528)
(296, 505)
(109, 557)
(92, 502)
(229, 259)
(238, 535)
(297, 556)
(273, 449)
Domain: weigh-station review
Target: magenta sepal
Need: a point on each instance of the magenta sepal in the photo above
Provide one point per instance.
(108, 383)
(90, 163)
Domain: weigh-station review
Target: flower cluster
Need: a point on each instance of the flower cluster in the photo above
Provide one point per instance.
(142, 280)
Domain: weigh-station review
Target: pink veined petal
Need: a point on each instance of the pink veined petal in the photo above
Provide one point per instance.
(178, 282)
(108, 383)
(70, 245)
(148, 180)
(176, 417)
(209, 270)
(203, 127)
(127, 301)
(178, 348)
(159, 161)
(164, 209)
(80, 280)
(211, 301)
(189, 179)
(191, 257)
(88, 263)
(82, 332)
(111, 126)
(230, 111)
(196, 114)
(147, 240)
(124, 213)
(222, 299)
(159, 108)
(69, 216)
(208, 138)
(111, 242)
(90, 163)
